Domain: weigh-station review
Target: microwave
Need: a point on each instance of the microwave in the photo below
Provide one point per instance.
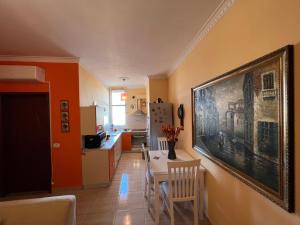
(94, 141)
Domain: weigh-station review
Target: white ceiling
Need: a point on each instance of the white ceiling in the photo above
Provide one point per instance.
(113, 38)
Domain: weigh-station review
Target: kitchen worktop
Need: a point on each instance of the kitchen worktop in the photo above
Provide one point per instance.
(114, 136)
(136, 130)
(108, 144)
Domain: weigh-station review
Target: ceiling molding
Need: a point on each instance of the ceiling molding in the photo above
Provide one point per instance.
(210, 23)
(50, 59)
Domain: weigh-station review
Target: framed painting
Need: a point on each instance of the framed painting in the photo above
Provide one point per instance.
(243, 121)
(64, 116)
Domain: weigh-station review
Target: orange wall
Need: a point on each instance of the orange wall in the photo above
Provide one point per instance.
(63, 81)
(248, 30)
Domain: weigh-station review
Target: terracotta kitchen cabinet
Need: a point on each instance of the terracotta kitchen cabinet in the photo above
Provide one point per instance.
(126, 141)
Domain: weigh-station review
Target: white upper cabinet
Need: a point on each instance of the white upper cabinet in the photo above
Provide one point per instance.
(92, 119)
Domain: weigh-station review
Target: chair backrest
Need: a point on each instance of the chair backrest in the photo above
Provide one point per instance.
(162, 143)
(146, 154)
(183, 177)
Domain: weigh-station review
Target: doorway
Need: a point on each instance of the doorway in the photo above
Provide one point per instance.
(25, 151)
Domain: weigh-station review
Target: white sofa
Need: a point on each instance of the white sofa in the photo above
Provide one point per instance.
(57, 210)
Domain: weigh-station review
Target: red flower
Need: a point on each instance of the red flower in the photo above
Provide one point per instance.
(171, 132)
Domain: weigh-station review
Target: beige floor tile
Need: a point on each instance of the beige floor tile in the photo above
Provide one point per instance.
(82, 207)
(99, 218)
(80, 219)
(130, 217)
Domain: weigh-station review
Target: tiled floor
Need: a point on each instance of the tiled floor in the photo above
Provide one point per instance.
(123, 202)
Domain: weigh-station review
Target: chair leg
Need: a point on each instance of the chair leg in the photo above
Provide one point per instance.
(196, 211)
(149, 194)
(145, 191)
(172, 213)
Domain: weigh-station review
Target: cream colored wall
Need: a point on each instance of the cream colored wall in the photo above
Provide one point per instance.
(91, 90)
(147, 95)
(250, 29)
(136, 92)
(158, 88)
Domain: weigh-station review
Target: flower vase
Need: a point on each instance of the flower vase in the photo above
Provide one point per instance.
(172, 154)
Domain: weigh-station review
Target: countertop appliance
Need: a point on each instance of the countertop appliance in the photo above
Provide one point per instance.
(160, 114)
(94, 141)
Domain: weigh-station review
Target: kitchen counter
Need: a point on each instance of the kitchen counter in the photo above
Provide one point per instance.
(135, 130)
(108, 144)
(99, 164)
(114, 137)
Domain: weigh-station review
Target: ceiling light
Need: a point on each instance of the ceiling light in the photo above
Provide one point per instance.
(124, 95)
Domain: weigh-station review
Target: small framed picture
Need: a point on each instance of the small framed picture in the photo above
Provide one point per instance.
(65, 127)
(64, 116)
(64, 105)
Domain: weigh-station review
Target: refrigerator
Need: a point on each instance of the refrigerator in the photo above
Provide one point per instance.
(159, 114)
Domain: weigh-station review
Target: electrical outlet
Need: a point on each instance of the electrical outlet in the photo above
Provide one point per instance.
(56, 145)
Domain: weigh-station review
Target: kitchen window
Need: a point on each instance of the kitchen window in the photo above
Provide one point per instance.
(118, 111)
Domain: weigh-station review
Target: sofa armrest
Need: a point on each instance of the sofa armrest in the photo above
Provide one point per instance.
(57, 210)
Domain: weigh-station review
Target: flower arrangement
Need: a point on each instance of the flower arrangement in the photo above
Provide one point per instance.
(171, 132)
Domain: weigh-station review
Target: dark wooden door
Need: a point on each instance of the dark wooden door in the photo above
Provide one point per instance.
(2, 160)
(26, 142)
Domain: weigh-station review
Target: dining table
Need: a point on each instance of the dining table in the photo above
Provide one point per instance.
(159, 169)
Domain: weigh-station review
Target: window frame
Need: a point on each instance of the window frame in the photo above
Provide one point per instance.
(272, 72)
(111, 105)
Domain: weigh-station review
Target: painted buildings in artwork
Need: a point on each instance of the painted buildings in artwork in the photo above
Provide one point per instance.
(207, 115)
(235, 121)
(261, 112)
(248, 110)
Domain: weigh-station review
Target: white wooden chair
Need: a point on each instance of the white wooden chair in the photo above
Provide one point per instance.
(149, 180)
(184, 179)
(162, 143)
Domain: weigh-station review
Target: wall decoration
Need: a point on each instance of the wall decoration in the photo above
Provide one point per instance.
(64, 105)
(143, 105)
(64, 116)
(180, 114)
(65, 127)
(243, 121)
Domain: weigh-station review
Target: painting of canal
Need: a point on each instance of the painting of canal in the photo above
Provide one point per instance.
(243, 121)
(236, 120)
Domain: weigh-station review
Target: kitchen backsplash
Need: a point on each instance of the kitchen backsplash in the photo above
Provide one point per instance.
(136, 121)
